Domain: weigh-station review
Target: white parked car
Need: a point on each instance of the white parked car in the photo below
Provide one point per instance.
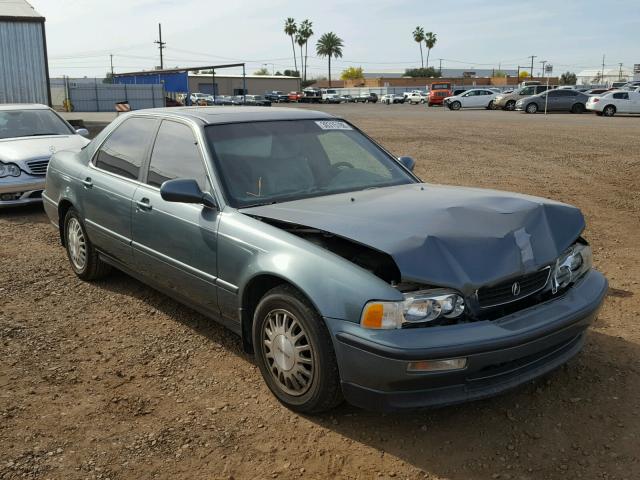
(29, 135)
(614, 101)
(415, 97)
(474, 98)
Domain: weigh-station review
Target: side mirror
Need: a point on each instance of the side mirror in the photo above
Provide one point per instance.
(186, 191)
(407, 162)
(82, 131)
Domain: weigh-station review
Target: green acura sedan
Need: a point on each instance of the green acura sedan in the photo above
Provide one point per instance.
(345, 274)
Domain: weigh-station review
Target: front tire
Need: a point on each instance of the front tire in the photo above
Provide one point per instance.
(81, 253)
(609, 111)
(531, 108)
(295, 353)
(511, 105)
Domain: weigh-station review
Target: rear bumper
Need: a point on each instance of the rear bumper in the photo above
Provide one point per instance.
(501, 355)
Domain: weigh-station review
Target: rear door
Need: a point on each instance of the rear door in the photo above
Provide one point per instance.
(635, 101)
(110, 183)
(175, 244)
(622, 102)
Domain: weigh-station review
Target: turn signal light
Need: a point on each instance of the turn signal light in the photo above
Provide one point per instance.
(437, 365)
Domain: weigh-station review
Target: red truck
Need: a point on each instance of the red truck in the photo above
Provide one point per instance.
(438, 92)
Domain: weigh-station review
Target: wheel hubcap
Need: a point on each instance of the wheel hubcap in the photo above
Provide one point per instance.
(288, 353)
(76, 244)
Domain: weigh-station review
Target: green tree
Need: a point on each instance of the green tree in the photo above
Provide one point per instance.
(524, 74)
(306, 32)
(568, 78)
(261, 71)
(291, 29)
(352, 73)
(330, 46)
(430, 40)
(418, 36)
(291, 73)
(499, 74)
(422, 72)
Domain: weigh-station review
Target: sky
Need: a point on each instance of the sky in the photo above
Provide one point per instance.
(377, 34)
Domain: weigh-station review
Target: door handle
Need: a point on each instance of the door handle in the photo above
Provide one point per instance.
(87, 182)
(143, 204)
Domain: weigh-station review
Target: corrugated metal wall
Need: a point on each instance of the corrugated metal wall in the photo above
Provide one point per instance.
(102, 97)
(23, 73)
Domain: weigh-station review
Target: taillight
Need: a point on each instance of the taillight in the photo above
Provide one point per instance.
(595, 100)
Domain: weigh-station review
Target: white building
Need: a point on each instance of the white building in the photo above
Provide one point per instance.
(593, 76)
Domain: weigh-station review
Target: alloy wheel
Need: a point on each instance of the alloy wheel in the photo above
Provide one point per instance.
(288, 352)
(76, 244)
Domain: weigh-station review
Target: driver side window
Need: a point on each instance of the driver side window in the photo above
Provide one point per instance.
(176, 155)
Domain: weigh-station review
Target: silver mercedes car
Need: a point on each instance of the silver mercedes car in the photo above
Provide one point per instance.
(29, 135)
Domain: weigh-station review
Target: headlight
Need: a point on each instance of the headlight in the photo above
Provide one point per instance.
(498, 98)
(571, 265)
(422, 306)
(9, 170)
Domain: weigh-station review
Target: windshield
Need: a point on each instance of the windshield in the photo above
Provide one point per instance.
(275, 161)
(28, 123)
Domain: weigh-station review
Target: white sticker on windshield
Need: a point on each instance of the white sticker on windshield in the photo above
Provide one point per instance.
(333, 125)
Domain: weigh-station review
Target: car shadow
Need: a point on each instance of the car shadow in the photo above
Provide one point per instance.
(33, 213)
(576, 417)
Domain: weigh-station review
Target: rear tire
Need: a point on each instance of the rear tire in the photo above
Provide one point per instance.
(609, 111)
(577, 108)
(84, 259)
(531, 108)
(294, 352)
(455, 106)
(490, 106)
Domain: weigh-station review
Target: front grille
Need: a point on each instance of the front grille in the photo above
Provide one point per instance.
(507, 292)
(38, 167)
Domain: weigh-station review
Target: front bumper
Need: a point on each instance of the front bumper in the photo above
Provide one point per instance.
(501, 354)
(21, 190)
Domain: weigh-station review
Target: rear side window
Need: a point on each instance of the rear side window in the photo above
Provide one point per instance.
(621, 96)
(176, 155)
(124, 151)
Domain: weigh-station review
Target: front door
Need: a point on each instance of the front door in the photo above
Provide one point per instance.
(175, 244)
(111, 182)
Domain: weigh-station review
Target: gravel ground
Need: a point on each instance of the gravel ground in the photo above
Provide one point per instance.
(111, 380)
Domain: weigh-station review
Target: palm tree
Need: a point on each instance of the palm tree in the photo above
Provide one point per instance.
(306, 32)
(329, 45)
(291, 29)
(418, 36)
(300, 41)
(430, 40)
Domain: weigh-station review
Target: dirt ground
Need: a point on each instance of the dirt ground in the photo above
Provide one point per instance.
(111, 380)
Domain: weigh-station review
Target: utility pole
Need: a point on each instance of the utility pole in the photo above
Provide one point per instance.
(161, 44)
(111, 61)
(620, 73)
(440, 69)
(532, 57)
(543, 62)
(602, 76)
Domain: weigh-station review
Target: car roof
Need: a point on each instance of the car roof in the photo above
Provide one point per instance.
(213, 115)
(23, 106)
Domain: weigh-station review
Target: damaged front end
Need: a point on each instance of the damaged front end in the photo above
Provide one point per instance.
(432, 305)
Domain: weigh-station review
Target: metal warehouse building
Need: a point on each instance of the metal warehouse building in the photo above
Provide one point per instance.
(24, 74)
(183, 81)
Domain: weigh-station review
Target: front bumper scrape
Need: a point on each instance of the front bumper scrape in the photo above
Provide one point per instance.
(501, 354)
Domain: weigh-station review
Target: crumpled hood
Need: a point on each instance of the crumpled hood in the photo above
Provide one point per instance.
(458, 237)
(20, 149)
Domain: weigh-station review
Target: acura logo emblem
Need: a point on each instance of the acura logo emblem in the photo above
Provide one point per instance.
(515, 289)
